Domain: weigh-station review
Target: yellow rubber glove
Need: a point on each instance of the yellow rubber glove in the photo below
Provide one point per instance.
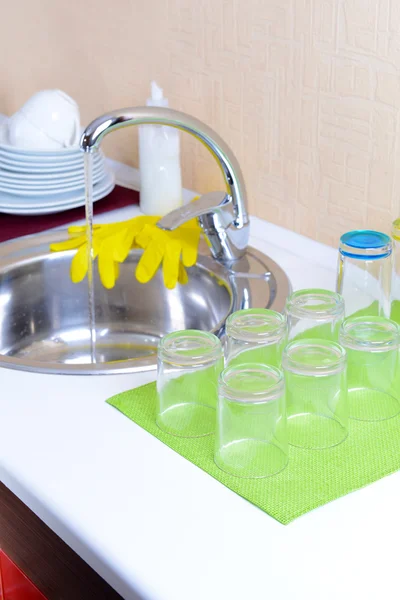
(111, 245)
(175, 250)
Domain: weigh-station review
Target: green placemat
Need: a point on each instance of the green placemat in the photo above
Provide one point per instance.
(312, 478)
(395, 311)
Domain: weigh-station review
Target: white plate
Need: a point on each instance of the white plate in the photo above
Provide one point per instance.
(20, 167)
(47, 191)
(30, 188)
(10, 201)
(77, 156)
(54, 208)
(51, 209)
(38, 154)
(44, 177)
(61, 202)
(25, 154)
(50, 161)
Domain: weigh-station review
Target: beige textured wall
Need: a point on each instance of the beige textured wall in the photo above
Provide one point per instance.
(306, 92)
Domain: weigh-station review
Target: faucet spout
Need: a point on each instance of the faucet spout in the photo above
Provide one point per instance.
(239, 220)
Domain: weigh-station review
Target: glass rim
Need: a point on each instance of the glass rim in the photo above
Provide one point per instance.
(209, 347)
(270, 393)
(378, 325)
(236, 327)
(336, 363)
(334, 304)
(365, 244)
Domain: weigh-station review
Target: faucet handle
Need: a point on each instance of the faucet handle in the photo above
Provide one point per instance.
(215, 210)
(213, 202)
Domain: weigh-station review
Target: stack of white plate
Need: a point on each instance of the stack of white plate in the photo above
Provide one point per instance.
(42, 182)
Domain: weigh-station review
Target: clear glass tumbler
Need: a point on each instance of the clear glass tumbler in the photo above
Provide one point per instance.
(316, 393)
(395, 292)
(189, 364)
(372, 345)
(365, 273)
(255, 335)
(314, 313)
(251, 436)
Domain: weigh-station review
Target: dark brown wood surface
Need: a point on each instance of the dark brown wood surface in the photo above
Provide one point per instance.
(57, 571)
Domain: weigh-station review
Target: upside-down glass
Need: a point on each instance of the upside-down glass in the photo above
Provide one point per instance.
(316, 393)
(365, 272)
(372, 345)
(251, 437)
(189, 364)
(255, 335)
(395, 292)
(314, 313)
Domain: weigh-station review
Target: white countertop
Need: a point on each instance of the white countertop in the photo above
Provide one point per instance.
(157, 527)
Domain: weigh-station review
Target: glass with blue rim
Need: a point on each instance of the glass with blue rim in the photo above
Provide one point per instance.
(395, 293)
(365, 272)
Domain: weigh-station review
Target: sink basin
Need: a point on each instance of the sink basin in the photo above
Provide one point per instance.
(44, 316)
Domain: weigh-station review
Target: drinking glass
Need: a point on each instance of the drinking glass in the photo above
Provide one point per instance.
(255, 335)
(251, 437)
(189, 363)
(395, 292)
(372, 345)
(316, 393)
(365, 272)
(314, 313)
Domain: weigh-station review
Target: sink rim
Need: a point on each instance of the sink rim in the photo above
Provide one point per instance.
(20, 249)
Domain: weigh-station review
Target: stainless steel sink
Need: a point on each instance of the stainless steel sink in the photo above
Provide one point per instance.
(44, 316)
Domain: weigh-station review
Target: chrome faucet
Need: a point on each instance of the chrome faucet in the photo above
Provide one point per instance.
(223, 216)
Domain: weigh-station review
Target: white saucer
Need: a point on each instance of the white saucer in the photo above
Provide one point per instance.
(19, 205)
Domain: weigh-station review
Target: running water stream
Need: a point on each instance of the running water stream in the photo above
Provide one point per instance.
(90, 252)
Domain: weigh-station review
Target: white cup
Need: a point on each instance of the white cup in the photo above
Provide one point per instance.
(49, 120)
